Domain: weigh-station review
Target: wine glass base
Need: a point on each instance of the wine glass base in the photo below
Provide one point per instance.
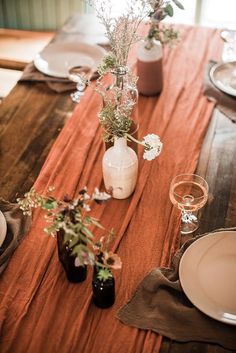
(190, 227)
(76, 96)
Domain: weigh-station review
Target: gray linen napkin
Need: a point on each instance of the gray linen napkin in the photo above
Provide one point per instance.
(224, 102)
(56, 84)
(17, 226)
(159, 304)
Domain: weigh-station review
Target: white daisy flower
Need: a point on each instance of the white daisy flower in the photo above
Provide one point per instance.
(152, 146)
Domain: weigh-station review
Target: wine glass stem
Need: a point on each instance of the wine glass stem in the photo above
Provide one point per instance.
(188, 217)
(189, 222)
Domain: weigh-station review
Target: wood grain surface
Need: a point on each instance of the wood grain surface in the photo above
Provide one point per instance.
(31, 118)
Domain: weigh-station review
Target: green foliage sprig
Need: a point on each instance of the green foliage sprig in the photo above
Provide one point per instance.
(164, 34)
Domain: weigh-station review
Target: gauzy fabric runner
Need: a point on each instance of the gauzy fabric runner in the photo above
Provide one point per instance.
(40, 310)
(160, 305)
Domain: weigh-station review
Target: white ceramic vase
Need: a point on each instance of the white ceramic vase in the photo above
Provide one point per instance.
(120, 169)
(149, 68)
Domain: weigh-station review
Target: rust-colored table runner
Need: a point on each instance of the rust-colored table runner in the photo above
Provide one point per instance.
(40, 311)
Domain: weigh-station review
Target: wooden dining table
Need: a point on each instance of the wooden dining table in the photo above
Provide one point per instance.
(31, 118)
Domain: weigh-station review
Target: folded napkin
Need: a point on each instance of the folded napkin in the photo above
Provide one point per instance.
(56, 84)
(225, 103)
(159, 304)
(17, 226)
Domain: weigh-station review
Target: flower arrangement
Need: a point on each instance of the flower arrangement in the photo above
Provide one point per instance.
(120, 97)
(71, 217)
(160, 9)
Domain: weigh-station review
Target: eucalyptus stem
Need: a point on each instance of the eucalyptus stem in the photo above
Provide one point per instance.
(131, 138)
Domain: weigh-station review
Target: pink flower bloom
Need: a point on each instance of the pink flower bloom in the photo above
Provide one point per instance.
(112, 260)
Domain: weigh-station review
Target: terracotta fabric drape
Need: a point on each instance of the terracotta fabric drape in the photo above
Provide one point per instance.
(40, 311)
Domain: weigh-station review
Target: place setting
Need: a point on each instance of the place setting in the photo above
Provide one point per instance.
(207, 269)
(57, 60)
(194, 298)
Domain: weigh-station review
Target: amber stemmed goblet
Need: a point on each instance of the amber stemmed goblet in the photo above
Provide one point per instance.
(80, 75)
(189, 193)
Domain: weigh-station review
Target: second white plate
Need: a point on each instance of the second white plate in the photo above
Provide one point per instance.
(223, 77)
(57, 58)
(207, 274)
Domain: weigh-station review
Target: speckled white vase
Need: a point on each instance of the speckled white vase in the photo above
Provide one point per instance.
(120, 169)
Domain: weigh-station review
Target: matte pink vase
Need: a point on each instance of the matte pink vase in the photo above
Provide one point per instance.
(149, 69)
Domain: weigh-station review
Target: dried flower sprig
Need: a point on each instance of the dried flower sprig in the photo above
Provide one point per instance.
(122, 31)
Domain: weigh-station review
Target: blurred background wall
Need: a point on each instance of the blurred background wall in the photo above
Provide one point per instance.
(38, 14)
(50, 14)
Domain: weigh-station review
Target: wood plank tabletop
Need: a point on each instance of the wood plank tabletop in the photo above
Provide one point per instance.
(31, 117)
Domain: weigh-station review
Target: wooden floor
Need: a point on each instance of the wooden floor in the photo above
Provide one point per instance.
(17, 49)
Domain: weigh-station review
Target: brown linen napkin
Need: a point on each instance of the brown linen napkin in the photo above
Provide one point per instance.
(225, 103)
(17, 226)
(159, 304)
(56, 84)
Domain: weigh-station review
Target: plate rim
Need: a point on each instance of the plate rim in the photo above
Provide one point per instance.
(211, 74)
(2, 237)
(183, 283)
(74, 45)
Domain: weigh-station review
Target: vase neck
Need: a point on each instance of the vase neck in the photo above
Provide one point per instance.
(120, 142)
(119, 74)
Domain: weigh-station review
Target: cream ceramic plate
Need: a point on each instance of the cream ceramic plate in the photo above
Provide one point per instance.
(57, 58)
(207, 274)
(3, 228)
(224, 77)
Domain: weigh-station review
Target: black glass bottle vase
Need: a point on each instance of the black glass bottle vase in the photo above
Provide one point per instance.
(103, 292)
(74, 274)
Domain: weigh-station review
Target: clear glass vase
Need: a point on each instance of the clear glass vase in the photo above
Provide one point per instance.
(120, 79)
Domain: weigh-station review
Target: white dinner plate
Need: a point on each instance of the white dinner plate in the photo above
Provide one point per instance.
(57, 58)
(207, 273)
(3, 228)
(223, 77)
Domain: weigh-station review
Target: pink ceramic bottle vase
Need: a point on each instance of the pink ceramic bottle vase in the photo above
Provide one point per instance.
(149, 68)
